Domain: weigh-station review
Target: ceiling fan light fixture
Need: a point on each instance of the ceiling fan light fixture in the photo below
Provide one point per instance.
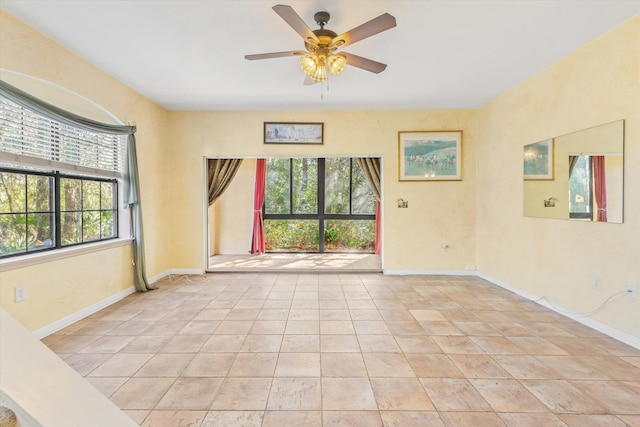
(309, 64)
(336, 63)
(320, 73)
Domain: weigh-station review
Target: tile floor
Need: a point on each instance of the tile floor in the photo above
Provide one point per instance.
(349, 350)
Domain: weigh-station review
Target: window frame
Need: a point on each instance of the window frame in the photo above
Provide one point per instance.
(56, 210)
(584, 215)
(320, 216)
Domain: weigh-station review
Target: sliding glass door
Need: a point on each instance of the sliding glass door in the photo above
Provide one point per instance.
(318, 205)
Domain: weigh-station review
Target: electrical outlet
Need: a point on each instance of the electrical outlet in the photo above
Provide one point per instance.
(21, 293)
(596, 284)
(632, 291)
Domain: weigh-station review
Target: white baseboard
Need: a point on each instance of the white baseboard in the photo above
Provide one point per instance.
(624, 337)
(157, 277)
(186, 271)
(81, 314)
(429, 272)
(88, 311)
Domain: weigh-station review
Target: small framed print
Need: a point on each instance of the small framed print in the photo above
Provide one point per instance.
(538, 160)
(430, 155)
(293, 133)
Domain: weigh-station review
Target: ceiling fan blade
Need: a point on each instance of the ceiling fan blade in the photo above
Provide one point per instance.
(275, 54)
(364, 63)
(368, 29)
(293, 19)
(308, 81)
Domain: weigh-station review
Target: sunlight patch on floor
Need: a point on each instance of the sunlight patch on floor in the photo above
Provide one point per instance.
(296, 262)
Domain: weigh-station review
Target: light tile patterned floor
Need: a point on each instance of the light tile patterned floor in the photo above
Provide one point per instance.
(349, 350)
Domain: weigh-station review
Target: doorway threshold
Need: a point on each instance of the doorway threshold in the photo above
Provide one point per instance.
(296, 263)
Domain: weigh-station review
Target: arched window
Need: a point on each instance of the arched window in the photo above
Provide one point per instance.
(59, 184)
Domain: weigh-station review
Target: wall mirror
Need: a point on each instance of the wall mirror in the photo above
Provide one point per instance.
(578, 176)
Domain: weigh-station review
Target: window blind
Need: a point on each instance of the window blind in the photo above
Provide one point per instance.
(29, 138)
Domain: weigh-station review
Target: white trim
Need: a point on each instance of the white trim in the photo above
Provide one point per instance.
(88, 311)
(57, 254)
(587, 321)
(428, 272)
(21, 160)
(383, 217)
(69, 91)
(205, 207)
(157, 277)
(185, 271)
(79, 315)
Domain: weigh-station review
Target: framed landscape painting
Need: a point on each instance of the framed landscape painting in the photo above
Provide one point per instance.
(430, 155)
(293, 133)
(538, 160)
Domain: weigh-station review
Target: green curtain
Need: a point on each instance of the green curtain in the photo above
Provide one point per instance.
(220, 174)
(131, 183)
(132, 201)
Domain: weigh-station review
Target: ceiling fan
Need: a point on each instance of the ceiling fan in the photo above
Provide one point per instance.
(322, 44)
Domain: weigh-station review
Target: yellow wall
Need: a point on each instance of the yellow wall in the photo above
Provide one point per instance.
(439, 212)
(599, 83)
(60, 288)
(231, 215)
(480, 218)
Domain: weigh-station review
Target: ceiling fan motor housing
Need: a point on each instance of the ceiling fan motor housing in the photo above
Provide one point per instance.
(324, 36)
(322, 18)
(324, 39)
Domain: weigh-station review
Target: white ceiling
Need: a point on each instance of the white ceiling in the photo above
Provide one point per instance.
(189, 55)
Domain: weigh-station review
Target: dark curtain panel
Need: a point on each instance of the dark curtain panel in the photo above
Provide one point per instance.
(572, 163)
(371, 168)
(600, 187)
(220, 174)
(257, 242)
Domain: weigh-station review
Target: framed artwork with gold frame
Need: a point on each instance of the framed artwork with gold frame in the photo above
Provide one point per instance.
(430, 155)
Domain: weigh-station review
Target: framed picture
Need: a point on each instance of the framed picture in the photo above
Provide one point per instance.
(538, 160)
(430, 156)
(293, 133)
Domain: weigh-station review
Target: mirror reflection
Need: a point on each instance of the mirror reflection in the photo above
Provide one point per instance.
(578, 176)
